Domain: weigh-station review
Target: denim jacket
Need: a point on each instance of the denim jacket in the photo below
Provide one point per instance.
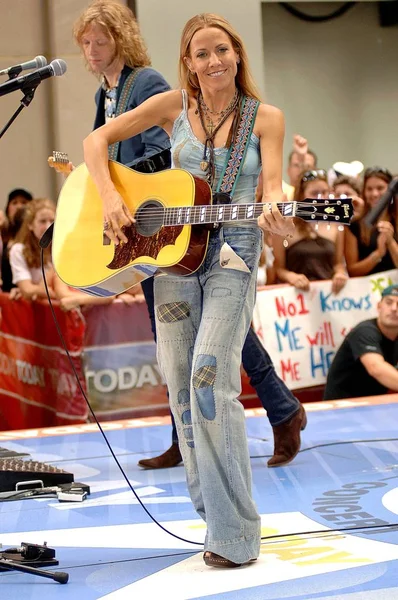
(148, 83)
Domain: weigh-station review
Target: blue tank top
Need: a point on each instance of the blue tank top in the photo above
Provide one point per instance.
(187, 153)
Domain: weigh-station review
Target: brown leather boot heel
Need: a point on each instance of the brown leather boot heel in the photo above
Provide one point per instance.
(171, 458)
(215, 560)
(287, 439)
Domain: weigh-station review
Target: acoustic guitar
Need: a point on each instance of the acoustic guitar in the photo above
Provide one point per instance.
(174, 213)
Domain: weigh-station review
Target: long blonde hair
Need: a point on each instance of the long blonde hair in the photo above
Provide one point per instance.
(25, 235)
(120, 25)
(189, 81)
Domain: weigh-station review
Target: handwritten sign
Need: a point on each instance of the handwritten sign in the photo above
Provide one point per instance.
(303, 330)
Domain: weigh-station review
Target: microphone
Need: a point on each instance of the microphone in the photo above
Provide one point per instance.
(384, 201)
(47, 237)
(56, 67)
(36, 63)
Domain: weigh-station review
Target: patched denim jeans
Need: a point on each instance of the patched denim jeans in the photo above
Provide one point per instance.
(202, 322)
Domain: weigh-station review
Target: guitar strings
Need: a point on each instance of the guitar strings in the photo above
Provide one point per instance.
(198, 207)
(150, 214)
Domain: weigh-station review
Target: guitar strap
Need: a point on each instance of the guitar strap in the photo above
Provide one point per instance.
(237, 151)
(122, 105)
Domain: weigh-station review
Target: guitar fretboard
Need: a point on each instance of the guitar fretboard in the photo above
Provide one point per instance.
(201, 215)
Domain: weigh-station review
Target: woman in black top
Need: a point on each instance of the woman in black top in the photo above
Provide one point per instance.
(373, 249)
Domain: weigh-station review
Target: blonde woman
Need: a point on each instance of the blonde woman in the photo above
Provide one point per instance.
(202, 320)
(25, 258)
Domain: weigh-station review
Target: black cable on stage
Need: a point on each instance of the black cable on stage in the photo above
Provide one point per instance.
(329, 531)
(270, 537)
(94, 415)
(326, 444)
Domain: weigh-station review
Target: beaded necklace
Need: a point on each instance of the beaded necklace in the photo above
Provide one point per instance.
(210, 129)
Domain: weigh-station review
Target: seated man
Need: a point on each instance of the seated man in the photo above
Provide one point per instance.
(365, 364)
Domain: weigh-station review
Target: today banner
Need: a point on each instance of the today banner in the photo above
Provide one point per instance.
(38, 387)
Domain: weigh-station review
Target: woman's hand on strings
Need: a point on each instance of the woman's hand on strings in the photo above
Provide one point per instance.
(116, 217)
(273, 221)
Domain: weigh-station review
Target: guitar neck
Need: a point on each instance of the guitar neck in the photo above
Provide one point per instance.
(310, 209)
(221, 213)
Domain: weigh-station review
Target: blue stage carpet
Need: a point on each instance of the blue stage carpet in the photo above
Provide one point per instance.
(346, 476)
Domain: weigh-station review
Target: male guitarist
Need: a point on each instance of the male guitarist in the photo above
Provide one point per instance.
(113, 48)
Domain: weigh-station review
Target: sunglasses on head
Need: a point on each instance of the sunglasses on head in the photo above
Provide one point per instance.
(377, 171)
(314, 174)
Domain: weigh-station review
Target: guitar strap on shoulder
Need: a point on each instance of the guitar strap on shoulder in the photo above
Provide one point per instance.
(122, 105)
(237, 151)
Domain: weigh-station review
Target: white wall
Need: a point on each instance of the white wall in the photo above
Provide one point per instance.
(162, 22)
(337, 81)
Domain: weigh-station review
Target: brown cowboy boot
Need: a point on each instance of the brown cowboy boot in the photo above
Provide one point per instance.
(287, 439)
(171, 458)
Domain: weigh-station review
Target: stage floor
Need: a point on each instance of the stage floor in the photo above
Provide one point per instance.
(345, 476)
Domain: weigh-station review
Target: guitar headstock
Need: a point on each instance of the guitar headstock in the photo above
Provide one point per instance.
(332, 210)
(60, 162)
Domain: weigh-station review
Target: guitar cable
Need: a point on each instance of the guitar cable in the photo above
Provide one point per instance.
(44, 242)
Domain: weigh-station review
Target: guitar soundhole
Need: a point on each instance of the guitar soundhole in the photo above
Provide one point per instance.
(149, 218)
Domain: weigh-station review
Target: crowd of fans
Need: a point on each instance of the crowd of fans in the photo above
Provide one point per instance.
(22, 225)
(321, 251)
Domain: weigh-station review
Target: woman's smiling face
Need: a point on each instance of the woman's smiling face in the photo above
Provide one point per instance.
(213, 59)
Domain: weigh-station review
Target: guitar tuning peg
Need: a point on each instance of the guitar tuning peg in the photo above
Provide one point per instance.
(316, 226)
(340, 227)
(328, 226)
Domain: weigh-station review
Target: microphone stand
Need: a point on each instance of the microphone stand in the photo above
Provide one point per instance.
(9, 565)
(6, 562)
(26, 558)
(28, 90)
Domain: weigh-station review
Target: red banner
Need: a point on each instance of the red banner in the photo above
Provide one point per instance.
(122, 374)
(37, 384)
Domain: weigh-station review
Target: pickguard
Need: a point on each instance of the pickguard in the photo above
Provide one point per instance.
(138, 245)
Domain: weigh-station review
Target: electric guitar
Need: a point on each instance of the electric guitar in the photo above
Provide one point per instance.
(60, 162)
(171, 209)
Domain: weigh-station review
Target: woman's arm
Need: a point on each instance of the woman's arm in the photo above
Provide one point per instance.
(392, 247)
(340, 276)
(271, 129)
(160, 110)
(22, 278)
(356, 267)
(297, 280)
(270, 126)
(386, 229)
(34, 291)
(70, 298)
